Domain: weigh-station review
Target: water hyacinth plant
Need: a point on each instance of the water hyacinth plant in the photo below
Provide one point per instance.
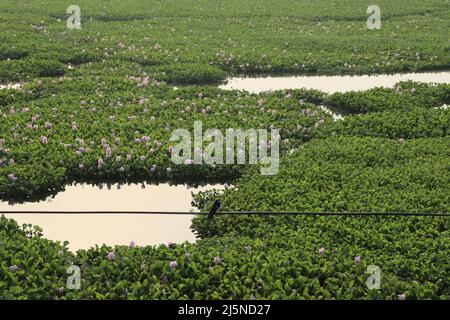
(98, 104)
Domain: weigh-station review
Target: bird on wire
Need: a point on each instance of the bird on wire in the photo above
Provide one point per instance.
(215, 208)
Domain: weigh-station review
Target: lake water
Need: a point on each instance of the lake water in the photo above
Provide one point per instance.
(328, 84)
(331, 84)
(86, 230)
(14, 86)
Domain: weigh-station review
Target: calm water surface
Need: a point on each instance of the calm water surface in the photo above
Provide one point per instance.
(331, 84)
(83, 231)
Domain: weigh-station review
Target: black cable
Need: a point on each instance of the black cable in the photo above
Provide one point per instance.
(431, 214)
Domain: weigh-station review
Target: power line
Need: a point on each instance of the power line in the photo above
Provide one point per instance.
(262, 213)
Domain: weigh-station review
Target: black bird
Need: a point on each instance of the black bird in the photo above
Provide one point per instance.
(215, 208)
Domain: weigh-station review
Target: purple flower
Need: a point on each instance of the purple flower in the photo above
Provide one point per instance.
(173, 264)
(143, 158)
(100, 163)
(48, 125)
(321, 251)
(44, 139)
(111, 256)
(2, 141)
(217, 260)
(357, 259)
(13, 268)
(132, 244)
(12, 177)
(401, 296)
(108, 152)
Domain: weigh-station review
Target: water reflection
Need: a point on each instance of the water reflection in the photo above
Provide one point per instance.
(83, 231)
(331, 84)
(336, 116)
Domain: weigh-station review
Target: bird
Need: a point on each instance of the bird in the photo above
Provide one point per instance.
(215, 208)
